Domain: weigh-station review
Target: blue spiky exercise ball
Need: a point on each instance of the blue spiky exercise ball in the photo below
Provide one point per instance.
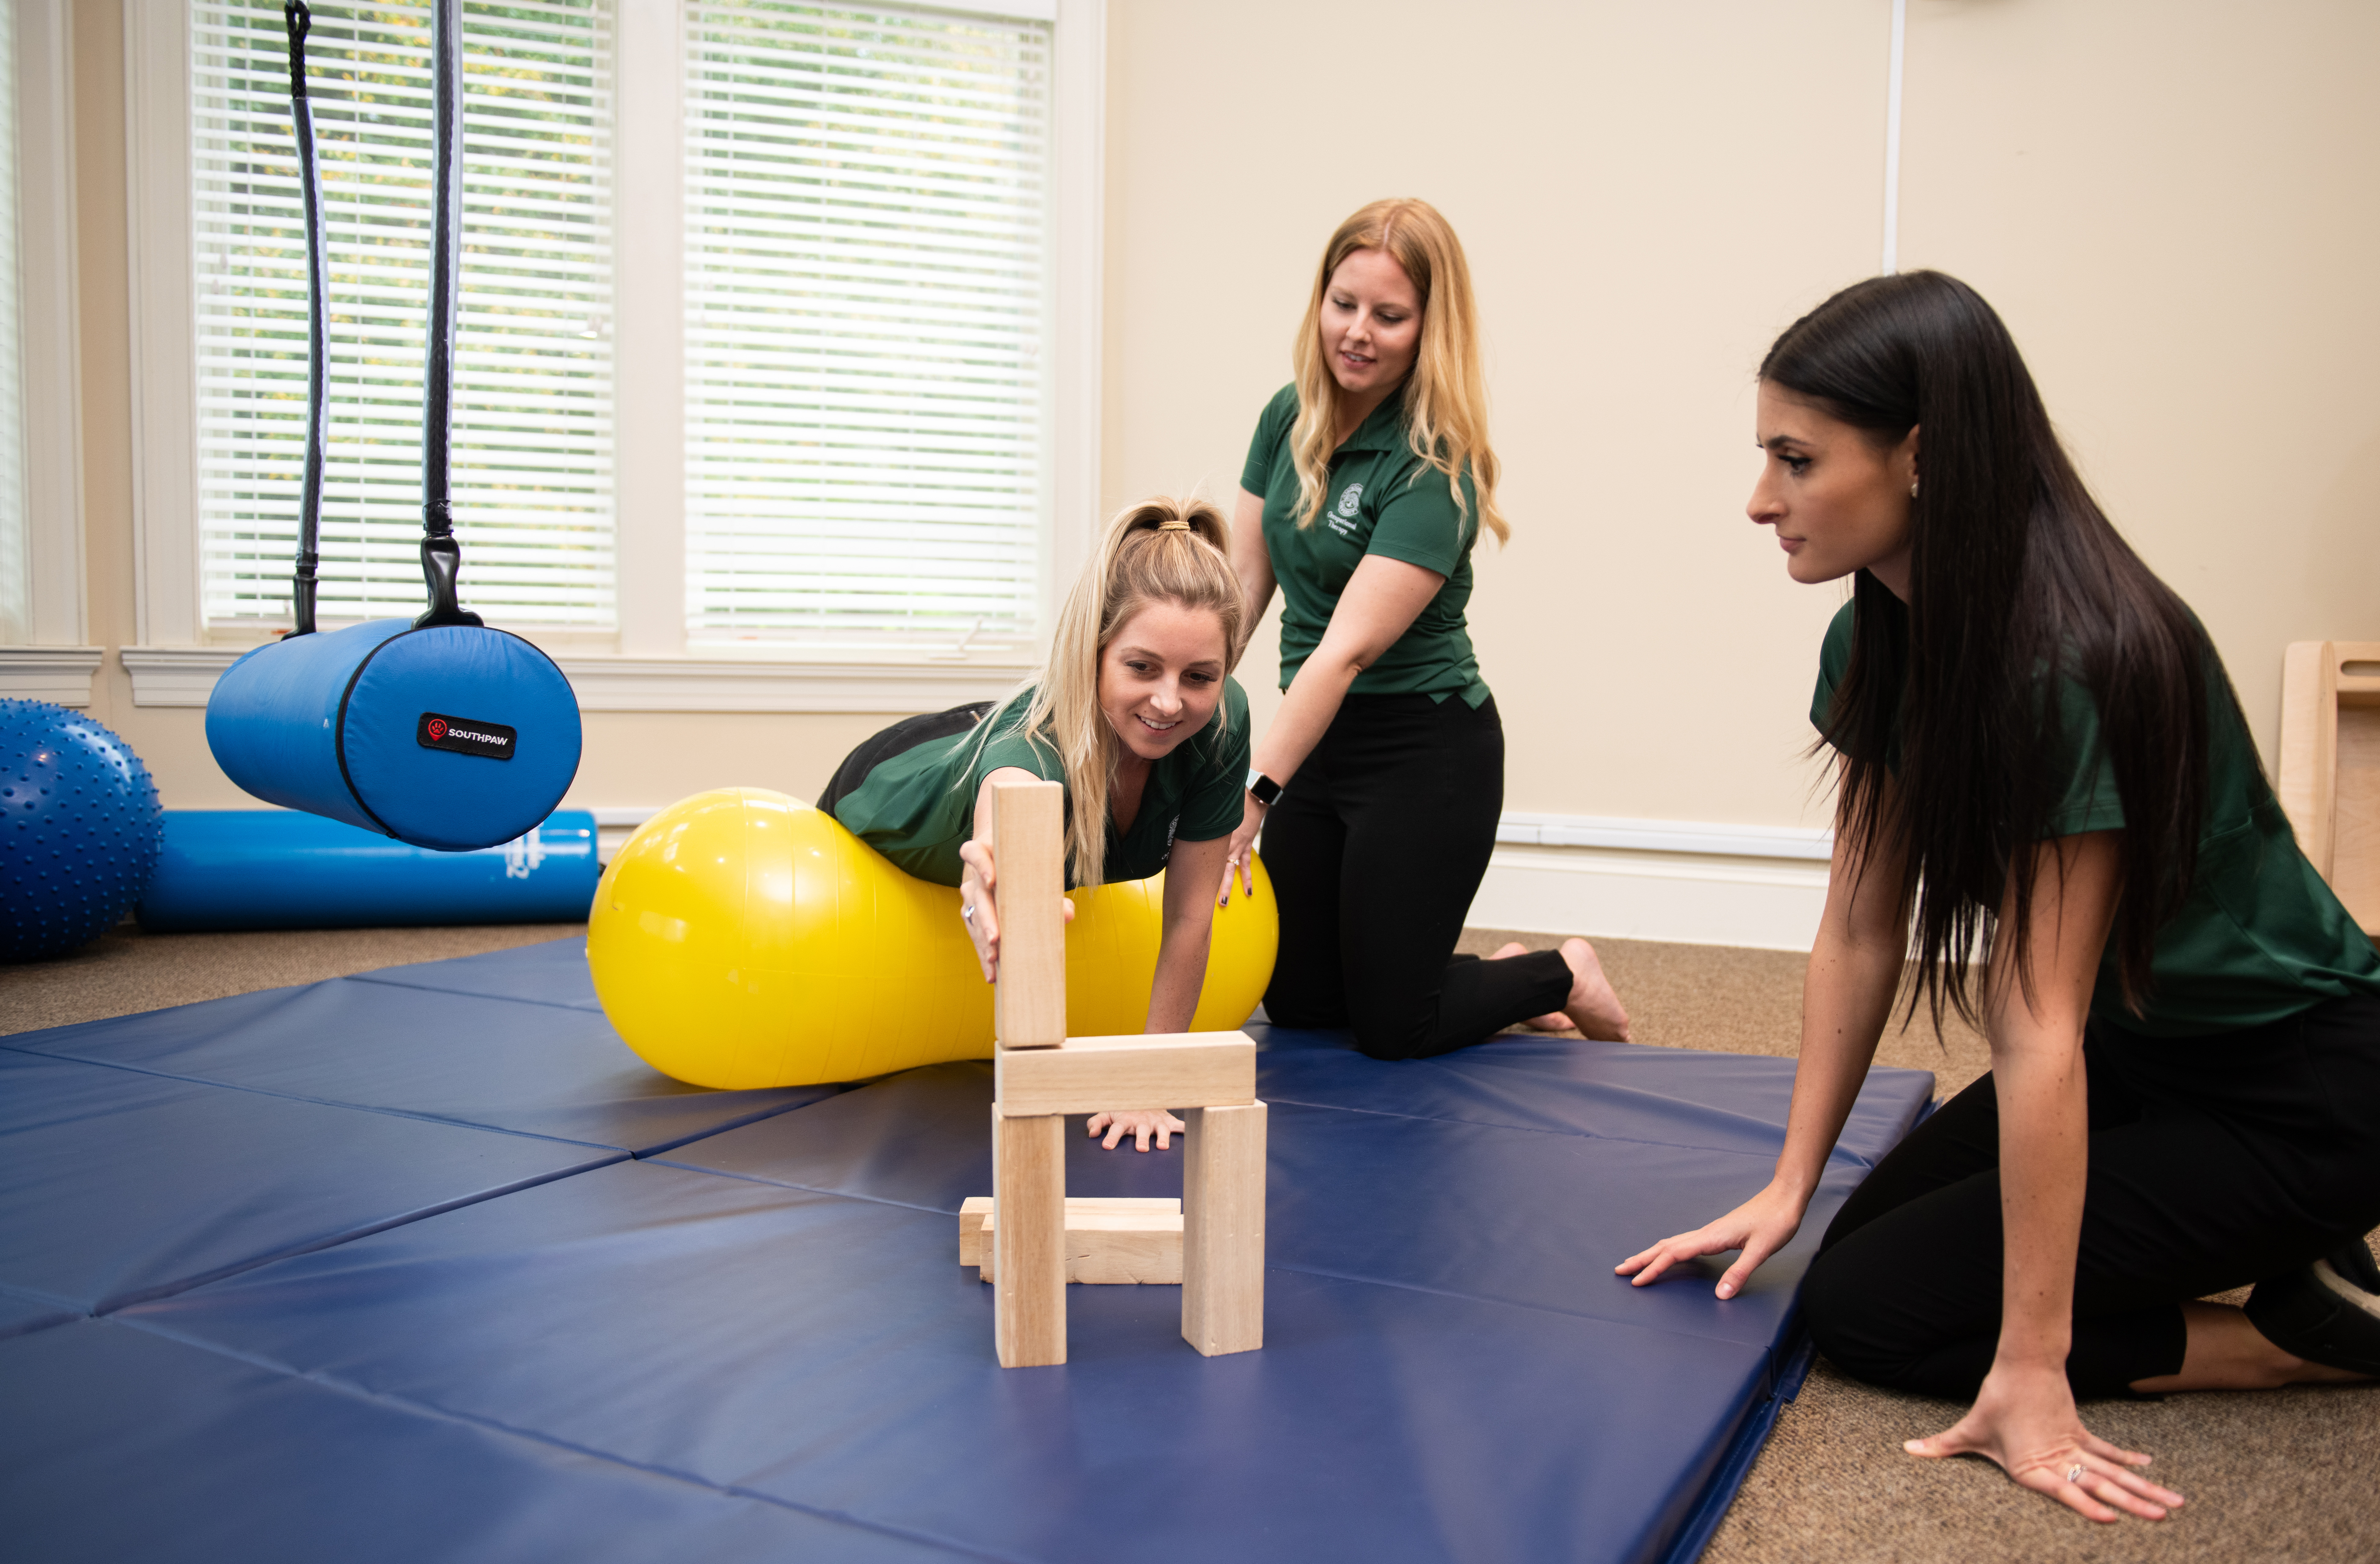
(81, 830)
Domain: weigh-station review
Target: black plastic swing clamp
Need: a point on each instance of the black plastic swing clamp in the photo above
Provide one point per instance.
(442, 565)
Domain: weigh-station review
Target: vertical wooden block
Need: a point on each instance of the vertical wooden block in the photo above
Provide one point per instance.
(1223, 1229)
(2329, 779)
(1028, 1243)
(2309, 747)
(2355, 787)
(1029, 852)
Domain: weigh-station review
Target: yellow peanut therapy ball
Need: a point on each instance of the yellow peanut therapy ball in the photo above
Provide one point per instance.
(742, 938)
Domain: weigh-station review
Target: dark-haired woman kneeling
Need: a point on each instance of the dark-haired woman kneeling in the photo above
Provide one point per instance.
(2039, 750)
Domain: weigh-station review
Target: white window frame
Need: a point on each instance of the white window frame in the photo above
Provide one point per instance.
(53, 664)
(648, 664)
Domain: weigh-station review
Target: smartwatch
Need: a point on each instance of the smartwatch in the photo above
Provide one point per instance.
(1262, 788)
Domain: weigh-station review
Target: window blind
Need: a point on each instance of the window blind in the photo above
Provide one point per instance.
(15, 607)
(868, 313)
(533, 420)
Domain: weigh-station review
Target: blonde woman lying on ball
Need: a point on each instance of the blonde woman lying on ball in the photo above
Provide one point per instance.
(1136, 713)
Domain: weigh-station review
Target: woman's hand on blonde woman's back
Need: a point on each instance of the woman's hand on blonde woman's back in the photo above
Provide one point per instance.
(1240, 856)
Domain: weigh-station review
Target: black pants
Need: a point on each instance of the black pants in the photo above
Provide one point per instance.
(1376, 852)
(899, 739)
(2215, 1163)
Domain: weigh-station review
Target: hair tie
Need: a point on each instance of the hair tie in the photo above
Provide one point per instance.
(1175, 525)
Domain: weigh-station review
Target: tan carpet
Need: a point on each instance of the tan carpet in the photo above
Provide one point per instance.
(2279, 1475)
(126, 971)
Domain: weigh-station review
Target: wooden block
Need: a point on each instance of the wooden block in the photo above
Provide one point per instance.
(1109, 1241)
(975, 1217)
(2355, 805)
(1176, 1070)
(1029, 1179)
(2309, 726)
(2329, 772)
(972, 1212)
(1223, 1229)
(1028, 854)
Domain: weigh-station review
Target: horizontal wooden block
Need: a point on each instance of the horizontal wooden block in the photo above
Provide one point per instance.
(1111, 1242)
(975, 1217)
(1175, 1070)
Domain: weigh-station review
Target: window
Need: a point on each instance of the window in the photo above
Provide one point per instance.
(533, 403)
(856, 407)
(779, 346)
(866, 321)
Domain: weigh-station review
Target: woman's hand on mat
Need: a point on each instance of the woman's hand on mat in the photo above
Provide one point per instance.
(1139, 1125)
(2024, 1419)
(1241, 855)
(1760, 1227)
(980, 906)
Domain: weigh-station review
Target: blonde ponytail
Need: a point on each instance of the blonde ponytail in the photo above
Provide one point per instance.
(1158, 551)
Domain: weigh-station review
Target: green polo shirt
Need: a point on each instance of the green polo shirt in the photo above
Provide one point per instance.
(1381, 499)
(2261, 936)
(919, 806)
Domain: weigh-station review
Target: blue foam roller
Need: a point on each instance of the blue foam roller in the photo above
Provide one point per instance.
(273, 869)
(453, 738)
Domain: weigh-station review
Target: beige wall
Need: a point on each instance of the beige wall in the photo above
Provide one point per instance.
(2174, 204)
(2177, 206)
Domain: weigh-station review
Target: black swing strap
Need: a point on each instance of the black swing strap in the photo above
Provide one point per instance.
(317, 290)
(441, 556)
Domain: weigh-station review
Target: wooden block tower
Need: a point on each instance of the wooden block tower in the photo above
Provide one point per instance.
(1041, 1075)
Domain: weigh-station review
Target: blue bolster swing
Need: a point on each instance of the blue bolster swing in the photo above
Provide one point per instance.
(440, 730)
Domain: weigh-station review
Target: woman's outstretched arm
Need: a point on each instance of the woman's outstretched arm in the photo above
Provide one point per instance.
(1189, 931)
(1180, 975)
(2024, 1416)
(1379, 604)
(1854, 971)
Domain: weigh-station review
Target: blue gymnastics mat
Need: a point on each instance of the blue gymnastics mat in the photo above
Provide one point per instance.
(413, 1266)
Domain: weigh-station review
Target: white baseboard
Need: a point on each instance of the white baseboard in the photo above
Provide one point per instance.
(1766, 904)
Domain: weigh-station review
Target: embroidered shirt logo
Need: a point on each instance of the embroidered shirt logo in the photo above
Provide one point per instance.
(1350, 499)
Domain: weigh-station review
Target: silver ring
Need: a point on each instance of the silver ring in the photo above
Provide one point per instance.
(2074, 1473)
(966, 912)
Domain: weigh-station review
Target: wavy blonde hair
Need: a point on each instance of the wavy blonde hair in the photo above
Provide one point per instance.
(1158, 551)
(1446, 397)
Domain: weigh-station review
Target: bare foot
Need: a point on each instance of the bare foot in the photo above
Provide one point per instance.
(1553, 1020)
(1593, 1007)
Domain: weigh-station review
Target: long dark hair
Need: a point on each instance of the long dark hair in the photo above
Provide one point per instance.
(2018, 583)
